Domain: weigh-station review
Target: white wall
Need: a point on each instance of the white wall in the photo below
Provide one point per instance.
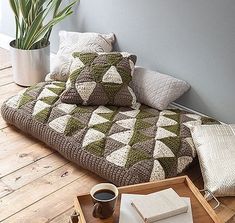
(7, 22)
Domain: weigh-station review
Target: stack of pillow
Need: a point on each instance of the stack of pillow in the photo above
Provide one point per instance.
(96, 76)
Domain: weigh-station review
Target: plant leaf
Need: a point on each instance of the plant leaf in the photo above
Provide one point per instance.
(33, 29)
(15, 7)
(30, 15)
(23, 9)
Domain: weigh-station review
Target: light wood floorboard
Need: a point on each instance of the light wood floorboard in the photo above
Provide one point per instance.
(38, 185)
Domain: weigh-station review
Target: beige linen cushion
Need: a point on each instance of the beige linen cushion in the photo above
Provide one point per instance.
(156, 89)
(71, 42)
(215, 145)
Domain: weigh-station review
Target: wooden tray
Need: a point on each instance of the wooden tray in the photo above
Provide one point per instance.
(202, 211)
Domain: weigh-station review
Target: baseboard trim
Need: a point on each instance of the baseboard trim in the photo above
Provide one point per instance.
(187, 109)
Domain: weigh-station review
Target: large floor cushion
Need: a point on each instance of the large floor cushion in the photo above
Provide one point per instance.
(122, 145)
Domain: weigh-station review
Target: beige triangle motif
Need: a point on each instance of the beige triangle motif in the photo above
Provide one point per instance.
(123, 137)
(163, 133)
(183, 162)
(112, 76)
(119, 157)
(191, 124)
(96, 119)
(91, 136)
(39, 106)
(161, 150)
(46, 93)
(127, 123)
(59, 124)
(102, 109)
(164, 121)
(85, 89)
(167, 112)
(157, 171)
(132, 113)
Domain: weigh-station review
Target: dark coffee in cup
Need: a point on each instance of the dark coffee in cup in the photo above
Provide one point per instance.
(104, 196)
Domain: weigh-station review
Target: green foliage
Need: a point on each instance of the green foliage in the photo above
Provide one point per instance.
(34, 21)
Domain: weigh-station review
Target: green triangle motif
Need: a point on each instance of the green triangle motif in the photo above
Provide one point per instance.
(96, 148)
(125, 75)
(140, 124)
(135, 156)
(113, 59)
(167, 164)
(143, 107)
(50, 100)
(208, 121)
(81, 109)
(138, 137)
(57, 91)
(175, 117)
(103, 127)
(108, 116)
(72, 126)
(173, 143)
(99, 71)
(43, 115)
(73, 76)
(25, 98)
(34, 91)
(111, 90)
(86, 58)
(59, 84)
(34, 87)
(172, 128)
(144, 114)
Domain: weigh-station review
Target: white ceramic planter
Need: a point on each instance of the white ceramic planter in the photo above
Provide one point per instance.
(30, 66)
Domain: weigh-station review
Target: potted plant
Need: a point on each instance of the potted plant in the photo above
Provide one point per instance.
(30, 51)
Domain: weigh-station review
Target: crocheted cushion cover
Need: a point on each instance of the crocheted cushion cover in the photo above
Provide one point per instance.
(122, 145)
(73, 42)
(101, 79)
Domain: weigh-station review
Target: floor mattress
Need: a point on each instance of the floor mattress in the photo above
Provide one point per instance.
(123, 145)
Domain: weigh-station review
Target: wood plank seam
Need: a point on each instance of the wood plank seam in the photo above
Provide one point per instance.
(4, 68)
(33, 161)
(52, 219)
(12, 190)
(81, 176)
(6, 84)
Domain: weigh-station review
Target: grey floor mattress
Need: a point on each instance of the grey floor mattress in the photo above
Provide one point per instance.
(122, 145)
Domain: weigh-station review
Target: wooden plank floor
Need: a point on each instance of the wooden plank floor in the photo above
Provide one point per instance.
(37, 185)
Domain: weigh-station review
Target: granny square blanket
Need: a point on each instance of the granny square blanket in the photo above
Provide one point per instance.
(122, 145)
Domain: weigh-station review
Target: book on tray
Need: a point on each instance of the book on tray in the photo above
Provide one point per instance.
(163, 207)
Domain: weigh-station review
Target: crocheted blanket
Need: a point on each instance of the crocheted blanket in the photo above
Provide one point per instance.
(122, 145)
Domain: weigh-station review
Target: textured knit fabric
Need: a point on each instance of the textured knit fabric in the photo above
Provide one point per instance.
(156, 89)
(215, 146)
(73, 42)
(101, 79)
(122, 145)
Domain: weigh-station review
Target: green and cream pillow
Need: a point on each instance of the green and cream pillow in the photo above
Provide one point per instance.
(71, 42)
(101, 79)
